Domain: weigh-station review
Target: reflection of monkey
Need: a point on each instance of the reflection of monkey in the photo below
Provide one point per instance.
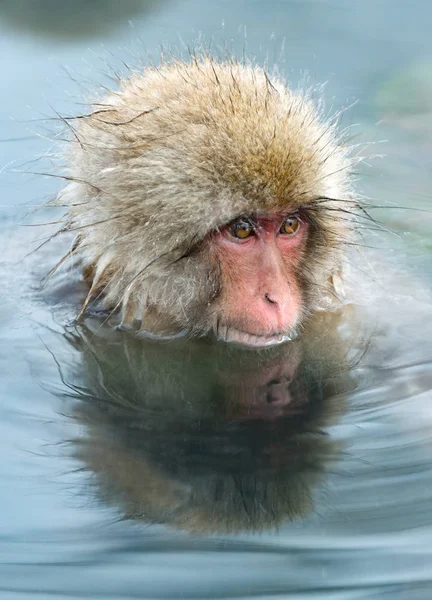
(203, 437)
(207, 197)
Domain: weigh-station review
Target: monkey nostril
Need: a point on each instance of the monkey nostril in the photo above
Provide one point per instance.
(269, 300)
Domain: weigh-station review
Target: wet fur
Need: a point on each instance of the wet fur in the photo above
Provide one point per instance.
(180, 151)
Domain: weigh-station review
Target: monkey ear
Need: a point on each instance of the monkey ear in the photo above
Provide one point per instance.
(337, 284)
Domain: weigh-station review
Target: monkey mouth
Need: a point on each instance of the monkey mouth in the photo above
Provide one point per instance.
(232, 335)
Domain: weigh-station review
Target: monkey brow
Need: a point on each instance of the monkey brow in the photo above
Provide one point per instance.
(252, 218)
(241, 217)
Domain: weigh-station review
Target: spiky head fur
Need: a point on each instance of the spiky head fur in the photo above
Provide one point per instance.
(180, 151)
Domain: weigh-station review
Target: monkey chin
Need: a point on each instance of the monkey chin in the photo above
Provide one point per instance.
(231, 335)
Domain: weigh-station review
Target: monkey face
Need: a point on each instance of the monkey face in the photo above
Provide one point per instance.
(261, 297)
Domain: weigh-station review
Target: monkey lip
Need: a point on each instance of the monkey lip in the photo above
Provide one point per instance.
(243, 338)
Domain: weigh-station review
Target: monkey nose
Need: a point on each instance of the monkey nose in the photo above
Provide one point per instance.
(276, 307)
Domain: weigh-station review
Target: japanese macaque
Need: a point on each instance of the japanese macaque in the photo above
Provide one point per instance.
(207, 196)
(205, 438)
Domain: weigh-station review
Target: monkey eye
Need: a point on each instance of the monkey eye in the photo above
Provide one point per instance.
(242, 229)
(290, 225)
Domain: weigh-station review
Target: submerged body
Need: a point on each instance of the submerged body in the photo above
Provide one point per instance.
(206, 196)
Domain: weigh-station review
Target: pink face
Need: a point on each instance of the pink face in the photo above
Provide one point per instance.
(260, 302)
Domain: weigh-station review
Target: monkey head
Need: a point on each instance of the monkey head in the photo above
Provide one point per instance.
(207, 197)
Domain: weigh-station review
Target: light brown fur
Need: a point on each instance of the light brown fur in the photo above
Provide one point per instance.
(180, 151)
